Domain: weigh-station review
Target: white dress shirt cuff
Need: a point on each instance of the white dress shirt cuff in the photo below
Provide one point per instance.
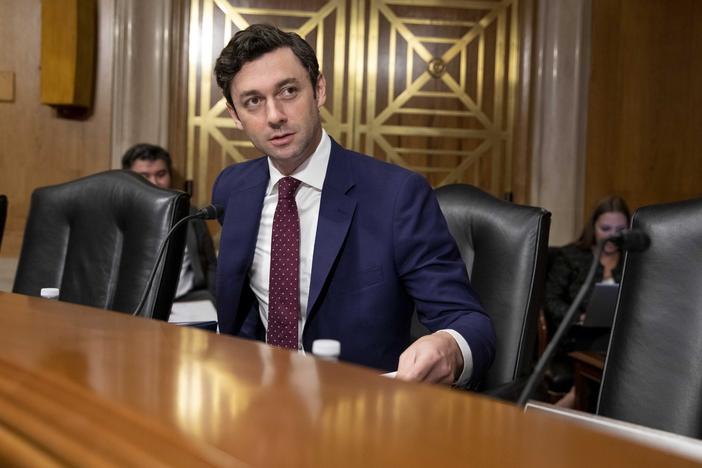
(467, 357)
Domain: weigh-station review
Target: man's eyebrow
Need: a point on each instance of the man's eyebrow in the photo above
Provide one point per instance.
(285, 82)
(278, 85)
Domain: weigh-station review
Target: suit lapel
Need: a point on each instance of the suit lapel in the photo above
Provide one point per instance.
(336, 211)
(243, 218)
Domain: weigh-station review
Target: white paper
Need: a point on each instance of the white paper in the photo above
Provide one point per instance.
(193, 311)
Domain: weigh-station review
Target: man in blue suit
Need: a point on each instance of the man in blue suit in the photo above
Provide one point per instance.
(321, 242)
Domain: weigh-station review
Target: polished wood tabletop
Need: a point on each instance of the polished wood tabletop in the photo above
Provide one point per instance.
(82, 386)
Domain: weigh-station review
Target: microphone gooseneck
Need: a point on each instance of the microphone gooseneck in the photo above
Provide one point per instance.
(208, 212)
(633, 240)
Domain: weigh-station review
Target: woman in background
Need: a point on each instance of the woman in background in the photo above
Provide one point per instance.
(572, 262)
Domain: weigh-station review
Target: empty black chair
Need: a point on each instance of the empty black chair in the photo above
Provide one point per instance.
(653, 372)
(97, 238)
(3, 215)
(504, 246)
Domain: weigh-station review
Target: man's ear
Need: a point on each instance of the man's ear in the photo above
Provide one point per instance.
(235, 116)
(321, 90)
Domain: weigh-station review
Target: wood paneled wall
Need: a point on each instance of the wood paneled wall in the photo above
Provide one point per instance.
(645, 104)
(438, 87)
(39, 147)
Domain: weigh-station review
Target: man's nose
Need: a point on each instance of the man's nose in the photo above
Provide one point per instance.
(276, 113)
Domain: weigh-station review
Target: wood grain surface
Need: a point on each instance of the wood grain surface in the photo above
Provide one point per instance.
(82, 386)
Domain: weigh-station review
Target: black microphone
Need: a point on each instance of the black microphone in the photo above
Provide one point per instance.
(633, 240)
(208, 212)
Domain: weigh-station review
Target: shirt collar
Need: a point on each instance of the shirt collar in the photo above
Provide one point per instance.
(311, 172)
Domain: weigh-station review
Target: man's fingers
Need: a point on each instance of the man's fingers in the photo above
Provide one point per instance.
(408, 368)
(422, 363)
(429, 359)
(434, 368)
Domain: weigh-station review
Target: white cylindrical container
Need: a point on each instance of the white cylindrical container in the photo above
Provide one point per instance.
(49, 293)
(326, 349)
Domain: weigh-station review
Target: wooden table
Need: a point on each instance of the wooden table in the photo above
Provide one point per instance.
(587, 377)
(83, 386)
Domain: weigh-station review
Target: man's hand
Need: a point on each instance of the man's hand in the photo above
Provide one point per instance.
(434, 358)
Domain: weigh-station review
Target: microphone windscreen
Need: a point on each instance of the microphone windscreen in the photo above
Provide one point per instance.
(211, 212)
(633, 240)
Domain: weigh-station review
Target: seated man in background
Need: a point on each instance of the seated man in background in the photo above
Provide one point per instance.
(321, 242)
(197, 274)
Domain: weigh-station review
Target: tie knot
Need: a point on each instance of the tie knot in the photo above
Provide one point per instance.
(287, 187)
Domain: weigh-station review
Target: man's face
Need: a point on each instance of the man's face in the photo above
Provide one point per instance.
(155, 171)
(274, 104)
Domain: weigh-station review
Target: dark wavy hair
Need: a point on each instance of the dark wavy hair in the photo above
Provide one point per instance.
(253, 42)
(611, 204)
(146, 152)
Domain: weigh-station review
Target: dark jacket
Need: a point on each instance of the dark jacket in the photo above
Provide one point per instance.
(566, 276)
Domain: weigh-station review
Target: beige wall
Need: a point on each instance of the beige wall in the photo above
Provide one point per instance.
(559, 97)
(37, 146)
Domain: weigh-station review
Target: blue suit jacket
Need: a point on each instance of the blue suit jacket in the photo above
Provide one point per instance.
(382, 248)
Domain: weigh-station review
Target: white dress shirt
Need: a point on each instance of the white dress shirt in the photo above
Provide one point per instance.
(308, 197)
(311, 173)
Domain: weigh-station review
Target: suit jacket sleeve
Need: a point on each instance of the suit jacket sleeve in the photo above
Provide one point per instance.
(430, 266)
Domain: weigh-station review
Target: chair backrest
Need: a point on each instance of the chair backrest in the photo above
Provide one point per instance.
(3, 215)
(653, 371)
(504, 246)
(97, 239)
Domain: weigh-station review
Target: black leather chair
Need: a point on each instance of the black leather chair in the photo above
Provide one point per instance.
(97, 238)
(3, 215)
(653, 371)
(504, 246)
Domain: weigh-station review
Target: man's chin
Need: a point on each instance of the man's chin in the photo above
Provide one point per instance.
(282, 156)
(288, 160)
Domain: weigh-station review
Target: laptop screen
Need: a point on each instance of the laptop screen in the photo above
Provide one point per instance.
(600, 309)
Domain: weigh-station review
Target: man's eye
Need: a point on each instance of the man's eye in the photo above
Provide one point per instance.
(606, 228)
(252, 102)
(288, 91)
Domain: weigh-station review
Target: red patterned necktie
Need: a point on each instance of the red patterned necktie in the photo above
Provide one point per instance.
(284, 286)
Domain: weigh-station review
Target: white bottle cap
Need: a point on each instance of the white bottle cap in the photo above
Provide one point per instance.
(326, 348)
(49, 293)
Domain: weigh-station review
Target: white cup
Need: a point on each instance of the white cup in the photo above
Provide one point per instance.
(326, 349)
(49, 293)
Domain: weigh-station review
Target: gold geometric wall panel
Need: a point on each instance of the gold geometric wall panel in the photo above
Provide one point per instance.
(428, 84)
(440, 89)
